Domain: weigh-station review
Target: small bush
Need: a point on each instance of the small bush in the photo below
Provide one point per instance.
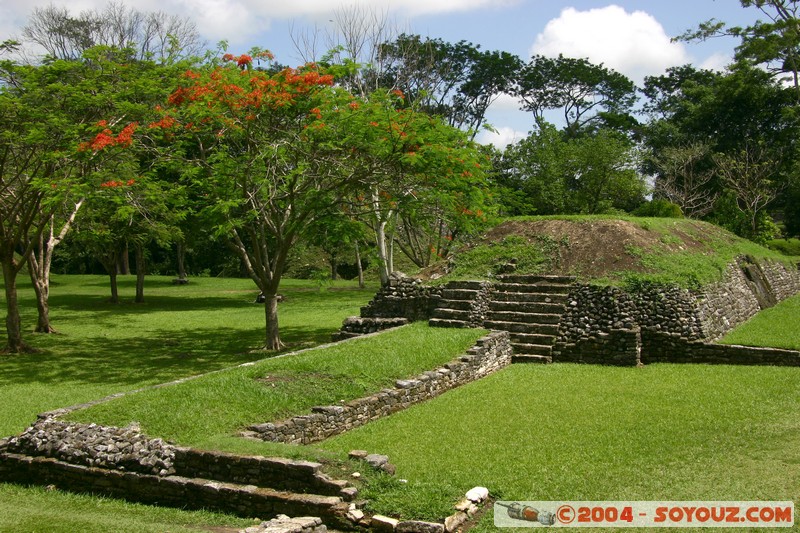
(659, 208)
(785, 246)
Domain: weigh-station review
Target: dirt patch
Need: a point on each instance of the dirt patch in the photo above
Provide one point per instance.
(596, 248)
(271, 379)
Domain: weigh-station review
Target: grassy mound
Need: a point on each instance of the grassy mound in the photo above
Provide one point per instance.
(603, 250)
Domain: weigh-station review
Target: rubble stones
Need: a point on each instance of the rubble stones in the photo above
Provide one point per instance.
(285, 524)
(94, 445)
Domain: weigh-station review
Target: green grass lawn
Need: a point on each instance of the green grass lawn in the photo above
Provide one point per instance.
(776, 327)
(582, 432)
(179, 331)
(209, 411)
(101, 349)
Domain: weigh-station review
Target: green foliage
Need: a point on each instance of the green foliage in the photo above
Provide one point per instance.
(659, 208)
(589, 96)
(527, 257)
(728, 215)
(789, 247)
(551, 173)
(457, 81)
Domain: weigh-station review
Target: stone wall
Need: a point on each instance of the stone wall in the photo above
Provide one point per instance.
(666, 348)
(171, 491)
(491, 353)
(403, 297)
(595, 316)
(124, 463)
(355, 326)
(617, 347)
(129, 450)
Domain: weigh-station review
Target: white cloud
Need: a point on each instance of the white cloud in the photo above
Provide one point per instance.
(634, 44)
(501, 137)
(718, 61)
(240, 20)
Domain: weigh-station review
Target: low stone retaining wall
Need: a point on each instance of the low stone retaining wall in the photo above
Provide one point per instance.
(403, 297)
(355, 326)
(128, 450)
(124, 463)
(172, 490)
(665, 348)
(491, 353)
(617, 347)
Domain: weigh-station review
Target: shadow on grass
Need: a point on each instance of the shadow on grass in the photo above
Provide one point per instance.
(135, 361)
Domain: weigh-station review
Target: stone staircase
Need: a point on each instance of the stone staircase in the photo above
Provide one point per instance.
(460, 305)
(530, 308)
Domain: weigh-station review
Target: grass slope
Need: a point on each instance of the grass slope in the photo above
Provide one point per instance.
(604, 250)
(582, 432)
(207, 412)
(775, 327)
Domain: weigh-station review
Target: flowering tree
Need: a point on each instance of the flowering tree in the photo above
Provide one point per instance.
(277, 151)
(54, 154)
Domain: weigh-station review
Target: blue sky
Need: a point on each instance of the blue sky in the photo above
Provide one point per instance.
(631, 36)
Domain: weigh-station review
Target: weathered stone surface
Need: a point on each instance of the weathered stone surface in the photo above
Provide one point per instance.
(454, 521)
(285, 524)
(601, 324)
(418, 526)
(383, 524)
(477, 494)
(376, 460)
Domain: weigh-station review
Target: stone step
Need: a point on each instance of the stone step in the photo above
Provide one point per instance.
(468, 285)
(344, 335)
(536, 278)
(526, 318)
(527, 307)
(530, 297)
(458, 294)
(463, 305)
(445, 323)
(544, 288)
(533, 338)
(517, 327)
(531, 349)
(541, 359)
(451, 314)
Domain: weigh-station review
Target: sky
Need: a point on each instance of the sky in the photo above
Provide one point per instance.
(630, 36)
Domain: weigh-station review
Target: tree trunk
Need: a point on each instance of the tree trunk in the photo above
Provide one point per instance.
(181, 256)
(124, 263)
(112, 273)
(360, 268)
(13, 321)
(383, 259)
(41, 287)
(139, 274)
(273, 339)
(39, 263)
(334, 275)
